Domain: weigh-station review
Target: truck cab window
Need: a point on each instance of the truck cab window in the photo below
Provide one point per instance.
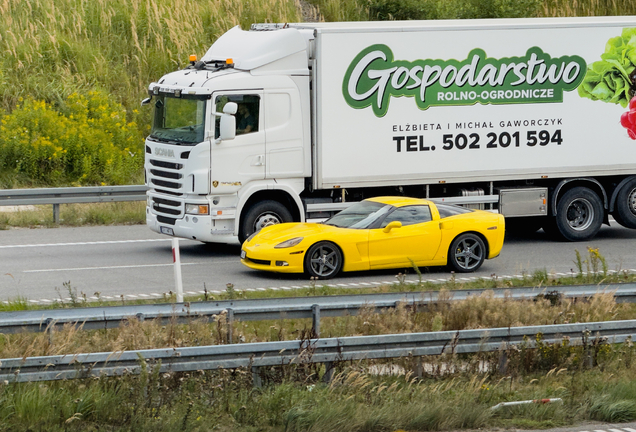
(178, 120)
(247, 114)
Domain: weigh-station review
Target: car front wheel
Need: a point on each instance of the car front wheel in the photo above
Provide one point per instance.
(467, 253)
(323, 260)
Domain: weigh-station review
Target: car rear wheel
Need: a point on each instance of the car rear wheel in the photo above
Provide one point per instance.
(467, 253)
(323, 260)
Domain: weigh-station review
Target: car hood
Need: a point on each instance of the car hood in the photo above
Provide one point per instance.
(286, 231)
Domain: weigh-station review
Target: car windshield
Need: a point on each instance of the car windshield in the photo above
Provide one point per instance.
(178, 120)
(360, 215)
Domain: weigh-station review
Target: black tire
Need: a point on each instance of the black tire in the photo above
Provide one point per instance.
(262, 214)
(323, 260)
(625, 211)
(467, 253)
(579, 214)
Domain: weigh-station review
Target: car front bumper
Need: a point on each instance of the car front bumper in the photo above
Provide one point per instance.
(287, 260)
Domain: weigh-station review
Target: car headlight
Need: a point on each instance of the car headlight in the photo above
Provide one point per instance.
(197, 209)
(251, 237)
(289, 243)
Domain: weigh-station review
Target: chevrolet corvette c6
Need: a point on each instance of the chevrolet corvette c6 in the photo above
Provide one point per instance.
(379, 233)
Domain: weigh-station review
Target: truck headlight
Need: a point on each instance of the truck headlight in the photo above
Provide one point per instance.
(289, 243)
(197, 209)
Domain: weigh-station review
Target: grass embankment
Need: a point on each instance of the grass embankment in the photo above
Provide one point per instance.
(364, 10)
(455, 391)
(74, 72)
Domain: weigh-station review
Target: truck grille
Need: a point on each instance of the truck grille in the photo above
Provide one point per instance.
(164, 178)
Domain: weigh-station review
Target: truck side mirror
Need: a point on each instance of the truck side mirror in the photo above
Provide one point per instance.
(227, 129)
(230, 108)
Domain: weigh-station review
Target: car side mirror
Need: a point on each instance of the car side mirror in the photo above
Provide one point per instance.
(391, 225)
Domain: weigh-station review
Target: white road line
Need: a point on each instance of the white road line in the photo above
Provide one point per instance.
(105, 268)
(68, 299)
(83, 243)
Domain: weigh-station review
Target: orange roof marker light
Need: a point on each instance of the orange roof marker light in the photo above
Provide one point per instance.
(193, 59)
(229, 61)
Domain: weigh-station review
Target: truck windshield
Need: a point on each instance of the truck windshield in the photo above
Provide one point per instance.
(361, 215)
(179, 120)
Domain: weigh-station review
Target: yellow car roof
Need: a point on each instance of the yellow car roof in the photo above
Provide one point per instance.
(398, 201)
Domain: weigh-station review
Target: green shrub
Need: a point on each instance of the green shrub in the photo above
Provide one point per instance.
(90, 142)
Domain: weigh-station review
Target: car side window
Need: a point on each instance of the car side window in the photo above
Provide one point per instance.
(246, 114)
(409, 215)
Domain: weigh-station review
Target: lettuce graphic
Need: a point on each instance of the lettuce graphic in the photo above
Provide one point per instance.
(613, 79)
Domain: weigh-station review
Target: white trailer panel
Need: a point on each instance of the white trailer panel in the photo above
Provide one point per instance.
(456, 130)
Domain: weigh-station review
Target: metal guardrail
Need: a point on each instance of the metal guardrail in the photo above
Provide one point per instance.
(71, 195)
(327, 350)
(91, 194)
(277, 308)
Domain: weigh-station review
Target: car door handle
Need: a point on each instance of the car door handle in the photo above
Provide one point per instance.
(258, 161)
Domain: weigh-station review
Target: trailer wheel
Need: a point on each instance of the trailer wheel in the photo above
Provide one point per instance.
(579, 214)
(466, 253)
(625, 212)
(262, 214)
(323, 260)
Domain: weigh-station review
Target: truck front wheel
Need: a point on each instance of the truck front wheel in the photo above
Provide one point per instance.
(579, 214)
(625, 213)
(262, 214)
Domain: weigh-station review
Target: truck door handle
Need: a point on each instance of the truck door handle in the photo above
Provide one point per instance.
(259, 161)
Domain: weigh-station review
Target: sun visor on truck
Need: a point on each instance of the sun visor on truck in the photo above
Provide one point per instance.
(277, 51)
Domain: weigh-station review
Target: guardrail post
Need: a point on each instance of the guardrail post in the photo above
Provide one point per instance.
(419, 367)
(315, 320)
(328, 376)
(230, 324)
(257, 381)
(56, 214)
(140, 317)
(503, 361)
(50, 329)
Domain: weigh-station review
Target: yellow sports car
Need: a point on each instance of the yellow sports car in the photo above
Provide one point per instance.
(379, 233)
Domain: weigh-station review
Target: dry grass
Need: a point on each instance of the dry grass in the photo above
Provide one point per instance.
(53, 49)
(476, 312)
(119, 213)
(588, 7)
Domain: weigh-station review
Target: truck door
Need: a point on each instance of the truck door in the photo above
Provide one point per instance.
(241, 160)
(284, 129)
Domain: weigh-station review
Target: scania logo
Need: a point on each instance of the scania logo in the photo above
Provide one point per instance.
(164, 152)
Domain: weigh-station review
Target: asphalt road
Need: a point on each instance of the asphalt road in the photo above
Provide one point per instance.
(35, 264)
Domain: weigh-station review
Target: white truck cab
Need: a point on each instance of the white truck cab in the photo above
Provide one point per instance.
(201, 180)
